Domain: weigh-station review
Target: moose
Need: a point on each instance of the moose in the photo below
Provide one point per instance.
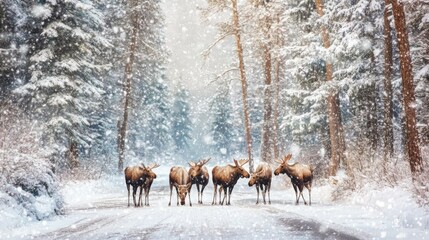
(148, 183)
(227, 176)
(136, 176)
(179, 178)
(199, 176)
(300, 175)
(262, 178)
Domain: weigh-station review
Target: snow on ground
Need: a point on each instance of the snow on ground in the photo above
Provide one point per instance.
(97, 209)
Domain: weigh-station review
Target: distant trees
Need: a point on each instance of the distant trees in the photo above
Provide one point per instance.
(181, 126)
(234, 28)
(144, 70)
(222, 129)
(323, 61)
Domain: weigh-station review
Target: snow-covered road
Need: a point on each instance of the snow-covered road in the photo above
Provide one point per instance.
(109, 218)
(97, 209)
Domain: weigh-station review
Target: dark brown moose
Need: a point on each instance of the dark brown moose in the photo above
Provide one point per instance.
(136, 176)
(148, 183)
(262, 178)
(227, 176)
(300, 175)
(199, 176)
(179, 178)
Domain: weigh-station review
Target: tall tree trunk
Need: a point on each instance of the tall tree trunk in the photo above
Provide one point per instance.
(73, 155)
(266, 146)
(388, 63)
(413, 148)
(276, 110)
(236, 27)
(334, 113)
(127, 82)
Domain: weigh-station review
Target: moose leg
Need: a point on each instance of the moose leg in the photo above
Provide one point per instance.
(140, 203)
(308, 186)
(224, 195)
(296, 193)
(220, 193)
(177, 195)
(264, 192)
(202, 190)
(229, 195)
(171, 192)
(134, 195)
(269, 188)
(257, 190)
(198, 190)
(147, 190)
(128, 188)
(301, 188)
(214, 194)
(189, 193)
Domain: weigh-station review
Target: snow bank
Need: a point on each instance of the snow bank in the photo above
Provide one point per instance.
(370, 212)
(29, 190)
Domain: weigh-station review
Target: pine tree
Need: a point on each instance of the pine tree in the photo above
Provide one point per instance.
(63, 84)
(146, 74)
(359, 24)
(223, 133)
(303, 94)
(157, 118)
(234, 28)
(181, 125)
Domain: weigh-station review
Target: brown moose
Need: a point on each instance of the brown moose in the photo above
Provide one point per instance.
(148, 183)
(300, 175)
(179, 178)
(199, 176)
(262, 178)
(136, 176)
(227, 176)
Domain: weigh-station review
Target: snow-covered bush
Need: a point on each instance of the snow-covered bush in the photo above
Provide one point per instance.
(32, 185)
(29, 189)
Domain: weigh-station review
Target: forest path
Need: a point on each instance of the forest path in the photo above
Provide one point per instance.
(110, 218)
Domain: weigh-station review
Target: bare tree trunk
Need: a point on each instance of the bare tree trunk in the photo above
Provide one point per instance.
(388, 63)
(413, 148)
(276, 111)
(127, 81)
(236, 27)
(334, 113)
(73, 155)
(266, 146)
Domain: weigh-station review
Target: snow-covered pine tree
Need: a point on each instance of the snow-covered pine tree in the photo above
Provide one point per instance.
(148, 103)
(13, 50)
(105, 148)
(223, 131)
(356, 46)
(156, 122)
(417, 12)
(181, 126)
(233, 27)
(304, 120)
(63, 84)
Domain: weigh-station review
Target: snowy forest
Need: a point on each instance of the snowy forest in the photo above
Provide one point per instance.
(90, 87)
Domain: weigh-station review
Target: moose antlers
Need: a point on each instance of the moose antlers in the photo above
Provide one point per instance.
(241, 162)
(199, 163)
(285, 159)
(151, 166)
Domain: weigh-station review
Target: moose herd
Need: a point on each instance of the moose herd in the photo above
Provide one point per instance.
(224, 177)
